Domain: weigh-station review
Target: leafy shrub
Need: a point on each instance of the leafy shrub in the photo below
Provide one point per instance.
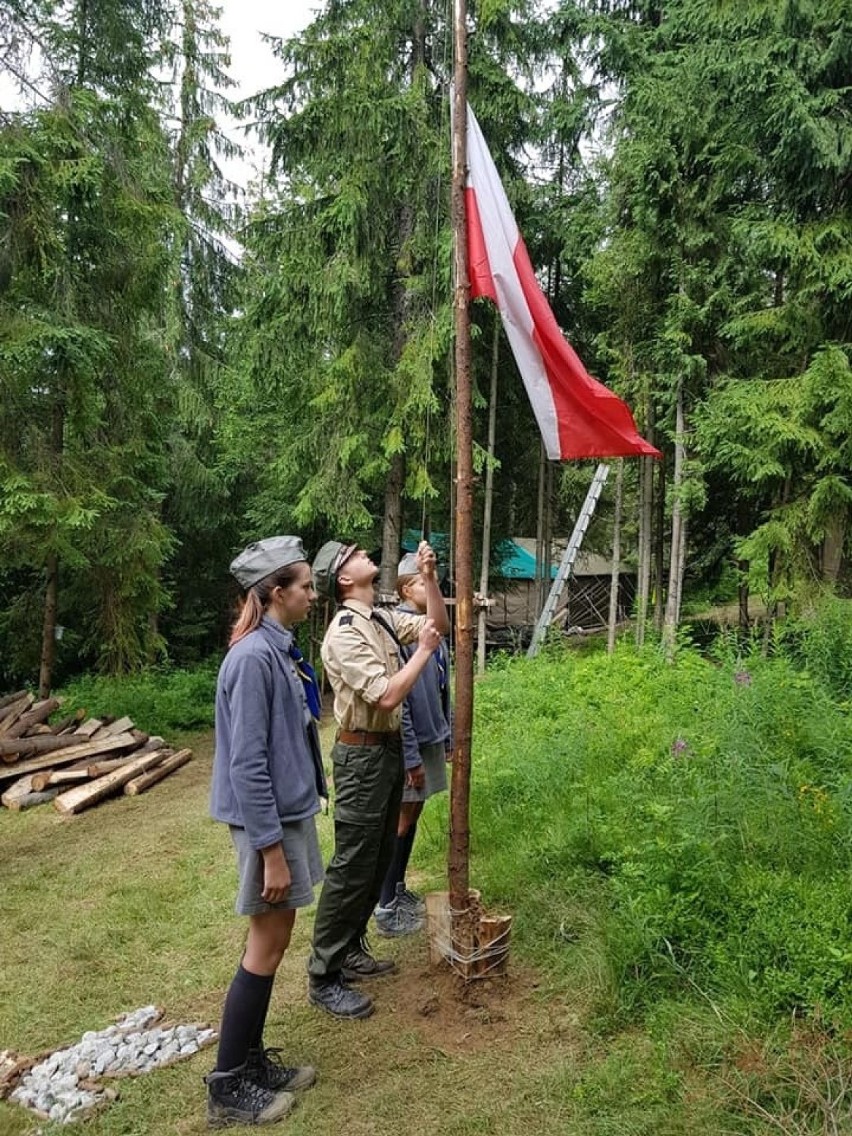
(826, 645)
(159, 701)
(701, 812)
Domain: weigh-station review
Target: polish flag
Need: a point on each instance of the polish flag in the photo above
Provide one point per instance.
(578, 416)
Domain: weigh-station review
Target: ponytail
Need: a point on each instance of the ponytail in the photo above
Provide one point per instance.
(257, 600)
(248, 619)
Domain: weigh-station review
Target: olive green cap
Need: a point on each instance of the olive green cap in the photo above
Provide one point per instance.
(327, 563)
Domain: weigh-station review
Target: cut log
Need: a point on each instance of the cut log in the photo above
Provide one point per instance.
(28, 800)
(69, 723)
(50, 777)
(104, 730)
(88, 727)
(8, 699)
(120, 726)
(98, 768)
(66, 756)
(81, 797)
(167, 765)
(14, 712)
(19, 788)
(40, 712)
(12, 749)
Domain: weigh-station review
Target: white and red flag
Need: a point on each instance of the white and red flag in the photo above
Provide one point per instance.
(577, 415)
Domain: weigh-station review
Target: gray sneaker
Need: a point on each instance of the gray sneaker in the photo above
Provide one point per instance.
(410, 899)
(233, 1099)
(265, 1067)
(396, 920)
(340, 1000)
(359, 965)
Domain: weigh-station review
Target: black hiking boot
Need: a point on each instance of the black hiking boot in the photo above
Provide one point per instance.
(265, 1068)
(359, 964)
(339, 1000)
(233, 1099)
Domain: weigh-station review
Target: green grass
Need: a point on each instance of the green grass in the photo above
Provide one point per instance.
(673, 908)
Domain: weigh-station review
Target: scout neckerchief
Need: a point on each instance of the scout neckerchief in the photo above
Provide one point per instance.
(309, 680)
(442, 666)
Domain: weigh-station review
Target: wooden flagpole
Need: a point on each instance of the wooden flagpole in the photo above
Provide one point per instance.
(459, 853)
(475, 945)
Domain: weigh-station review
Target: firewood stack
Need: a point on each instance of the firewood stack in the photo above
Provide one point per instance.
(77, 761)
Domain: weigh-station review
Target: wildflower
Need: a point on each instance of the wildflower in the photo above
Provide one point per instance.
(679, 747)
(742, 678)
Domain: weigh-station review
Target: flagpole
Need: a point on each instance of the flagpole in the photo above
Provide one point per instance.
(459, 851)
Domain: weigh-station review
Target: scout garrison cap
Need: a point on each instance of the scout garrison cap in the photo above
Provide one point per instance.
(264, 557)
(327, 563)
(408, 566)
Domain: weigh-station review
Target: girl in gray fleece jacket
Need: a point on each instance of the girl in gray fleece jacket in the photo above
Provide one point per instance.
(267, 781)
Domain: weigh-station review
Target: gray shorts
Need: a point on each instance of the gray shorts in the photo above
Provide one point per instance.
(302, 853)
(435, 769)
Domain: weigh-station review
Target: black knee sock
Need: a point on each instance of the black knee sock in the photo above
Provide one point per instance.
(405, 850)
(257, 1040)
(245, 1006)
(394, 872)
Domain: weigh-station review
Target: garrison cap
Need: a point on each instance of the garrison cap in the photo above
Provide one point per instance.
(409, 565)
(327, 563)
(264, 557)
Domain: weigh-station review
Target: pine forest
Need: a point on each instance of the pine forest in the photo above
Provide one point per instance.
(184, 368)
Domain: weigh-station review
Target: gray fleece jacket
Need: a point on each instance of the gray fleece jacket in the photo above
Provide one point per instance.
(426, 715)
(268, 767)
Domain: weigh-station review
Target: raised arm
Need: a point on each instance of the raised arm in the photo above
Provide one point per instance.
(436, 609)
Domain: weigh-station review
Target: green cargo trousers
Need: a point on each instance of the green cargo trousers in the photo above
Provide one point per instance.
(368, 783)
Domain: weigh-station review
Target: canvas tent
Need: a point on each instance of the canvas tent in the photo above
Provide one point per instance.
(517, 594)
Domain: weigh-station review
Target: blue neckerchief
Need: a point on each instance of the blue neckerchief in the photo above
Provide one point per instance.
(309, 680)
(442, 667)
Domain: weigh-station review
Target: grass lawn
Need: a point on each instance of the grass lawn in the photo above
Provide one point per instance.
(131, 903)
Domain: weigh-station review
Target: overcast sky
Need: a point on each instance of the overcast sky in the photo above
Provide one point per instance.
(253, 65)
(244, 21)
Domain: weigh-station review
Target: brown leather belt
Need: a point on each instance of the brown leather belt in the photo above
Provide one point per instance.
(364, 737)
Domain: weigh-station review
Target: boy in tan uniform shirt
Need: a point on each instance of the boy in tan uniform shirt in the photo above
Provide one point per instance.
(360, 653)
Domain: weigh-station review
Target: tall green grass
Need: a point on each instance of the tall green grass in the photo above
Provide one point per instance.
(671, 830)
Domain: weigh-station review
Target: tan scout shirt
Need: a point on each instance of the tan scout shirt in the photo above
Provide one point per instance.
(360, 657)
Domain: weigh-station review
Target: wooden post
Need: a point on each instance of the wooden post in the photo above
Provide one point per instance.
(459, 852)
(616, 560)
(489, 497)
